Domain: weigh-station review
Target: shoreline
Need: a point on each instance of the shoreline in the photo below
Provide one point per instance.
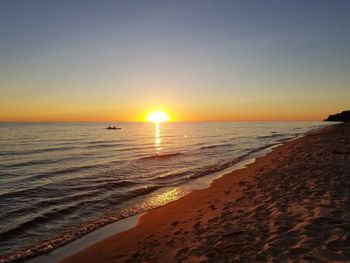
(130, 222)
(114, 228)
(86, 241)
(152, 229)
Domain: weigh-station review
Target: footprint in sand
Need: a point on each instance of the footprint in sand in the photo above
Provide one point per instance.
(175, 223)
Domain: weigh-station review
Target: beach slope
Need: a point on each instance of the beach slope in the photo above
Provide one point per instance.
(291, 205)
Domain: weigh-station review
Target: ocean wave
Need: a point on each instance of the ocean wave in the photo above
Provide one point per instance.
(99, 174)
(30, 163)
(68, 170)
(177, 175)
(274, 135)
(41, 162)
(100, 141)
(34, 191)
(258, 149)
(186, 176)
(36, 220)
(58, 201)
(89, 191)
(62, 211)
(62, 148)
(104, 145)
(112, 148)
(75, 233)
(224, 165)
(69, 235)
(161, 156)
(142, 191)
(216, 146)
(136, 148)
(43, 150)
(114, 185)
(59, 240)
(69, 204)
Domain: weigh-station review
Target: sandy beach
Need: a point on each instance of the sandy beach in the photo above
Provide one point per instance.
(174, 131)
(291, 205)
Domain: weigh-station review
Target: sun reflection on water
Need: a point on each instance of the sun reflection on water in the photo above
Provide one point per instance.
(157, 138)
(166, 197)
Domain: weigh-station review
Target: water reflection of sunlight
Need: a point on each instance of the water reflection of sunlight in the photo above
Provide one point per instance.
(166, 197)
(157, 137)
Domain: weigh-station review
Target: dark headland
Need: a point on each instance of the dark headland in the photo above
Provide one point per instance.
(343, 116)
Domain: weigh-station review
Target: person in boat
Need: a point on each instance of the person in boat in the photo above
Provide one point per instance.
(113, 128)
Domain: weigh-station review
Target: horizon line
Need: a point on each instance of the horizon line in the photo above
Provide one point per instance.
(296, 120)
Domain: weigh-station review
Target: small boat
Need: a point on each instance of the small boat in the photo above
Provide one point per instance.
(113, 128)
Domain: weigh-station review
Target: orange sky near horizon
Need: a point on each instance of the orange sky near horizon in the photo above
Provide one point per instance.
(196, 61)
(183, 113)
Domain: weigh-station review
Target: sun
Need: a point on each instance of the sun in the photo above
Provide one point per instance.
(157, 117)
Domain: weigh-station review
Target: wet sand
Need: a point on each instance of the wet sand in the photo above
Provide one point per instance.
(291, 205)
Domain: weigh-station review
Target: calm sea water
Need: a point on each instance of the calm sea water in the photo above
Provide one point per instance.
(59, 181)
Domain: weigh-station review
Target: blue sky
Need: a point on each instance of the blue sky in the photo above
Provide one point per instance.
(199, 60)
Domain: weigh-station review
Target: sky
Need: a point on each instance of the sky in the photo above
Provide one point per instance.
(195, 60)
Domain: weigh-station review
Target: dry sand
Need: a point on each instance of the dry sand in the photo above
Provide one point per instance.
(292, 205)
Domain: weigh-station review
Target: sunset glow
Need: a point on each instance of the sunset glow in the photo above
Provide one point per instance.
(224, 63)
(157, 117)
(113, 109)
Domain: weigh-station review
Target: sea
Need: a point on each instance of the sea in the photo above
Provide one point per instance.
(61, 181)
